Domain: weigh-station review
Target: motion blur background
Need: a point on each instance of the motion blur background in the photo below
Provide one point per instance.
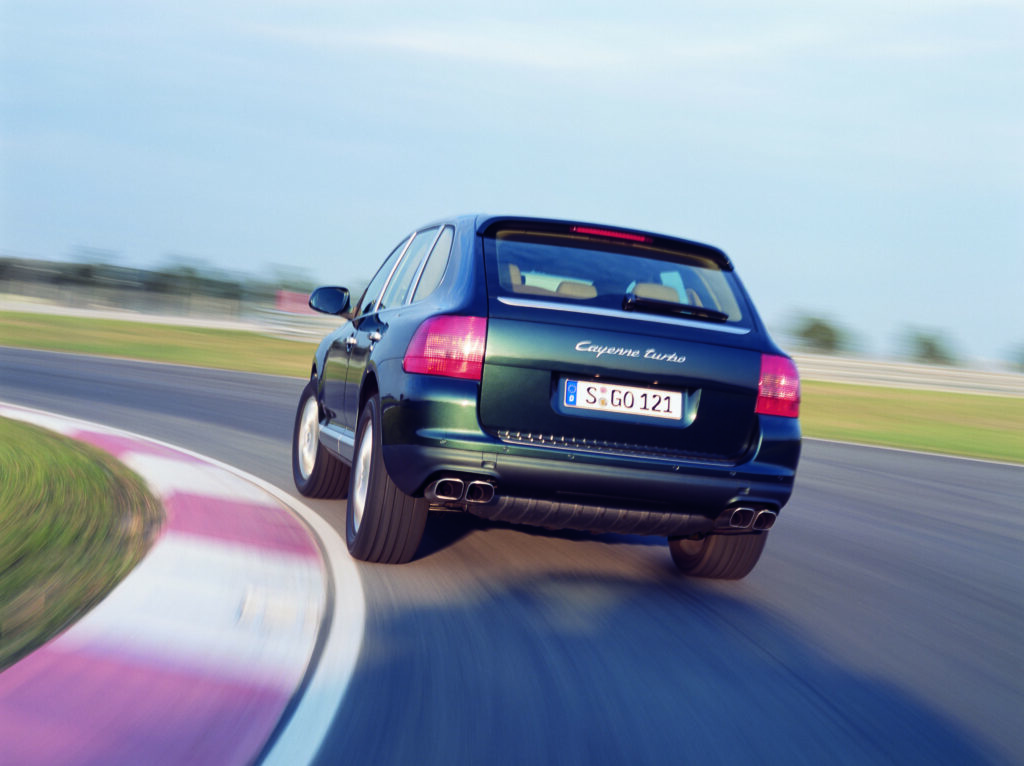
(862, 162)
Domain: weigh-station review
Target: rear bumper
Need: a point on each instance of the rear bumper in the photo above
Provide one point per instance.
(430, 430)
(426, 438)
(563, 474)
(567, 491)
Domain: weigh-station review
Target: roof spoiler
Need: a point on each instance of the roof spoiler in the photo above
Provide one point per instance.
(490, 226)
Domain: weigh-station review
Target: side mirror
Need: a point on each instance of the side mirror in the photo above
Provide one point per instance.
(329, 300)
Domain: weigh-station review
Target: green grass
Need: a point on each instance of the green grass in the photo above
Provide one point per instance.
(990, 427)
(198, 346)
(73, 522)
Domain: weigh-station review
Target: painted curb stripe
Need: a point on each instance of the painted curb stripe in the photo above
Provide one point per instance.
(73, 708)
(195, 656)
(238, 523)
(120, 445)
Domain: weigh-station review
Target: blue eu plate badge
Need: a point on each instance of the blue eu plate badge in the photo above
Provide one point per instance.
(570, 392)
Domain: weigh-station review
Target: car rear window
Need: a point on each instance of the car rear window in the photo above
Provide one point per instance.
(596, 271)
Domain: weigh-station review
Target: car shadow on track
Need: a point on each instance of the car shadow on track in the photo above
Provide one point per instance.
(565, 666)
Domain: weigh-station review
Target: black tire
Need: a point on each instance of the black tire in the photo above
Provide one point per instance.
(382, 523)
(719, 557)
(317, 473)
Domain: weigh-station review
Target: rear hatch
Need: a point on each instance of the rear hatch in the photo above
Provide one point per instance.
(617, 342)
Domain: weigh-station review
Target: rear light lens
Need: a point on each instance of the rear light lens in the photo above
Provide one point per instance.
(778, 390)
(451, 346)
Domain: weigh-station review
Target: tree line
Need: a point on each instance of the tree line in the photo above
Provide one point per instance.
(180, 278)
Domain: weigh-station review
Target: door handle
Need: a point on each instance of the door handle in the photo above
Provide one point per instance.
(350, 341)
(374, 336)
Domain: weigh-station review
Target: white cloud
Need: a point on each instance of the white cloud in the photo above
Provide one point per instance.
(506, 45)
(716, 36)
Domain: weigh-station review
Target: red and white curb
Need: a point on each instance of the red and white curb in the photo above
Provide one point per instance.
(231, 622)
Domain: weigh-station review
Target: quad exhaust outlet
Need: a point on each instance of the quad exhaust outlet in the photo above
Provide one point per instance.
(457, 493)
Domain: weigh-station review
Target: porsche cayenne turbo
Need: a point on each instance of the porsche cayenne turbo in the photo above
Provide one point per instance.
(553, 373)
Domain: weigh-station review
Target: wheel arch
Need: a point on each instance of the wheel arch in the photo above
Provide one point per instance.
(369, 388)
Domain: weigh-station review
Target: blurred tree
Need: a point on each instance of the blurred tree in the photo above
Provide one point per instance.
(820, 335)
(186, 275)
(89, 266)
(930, 348)
(94, 255)
(1017, 358)
(288, 277)
(82, 273)
(162, 281)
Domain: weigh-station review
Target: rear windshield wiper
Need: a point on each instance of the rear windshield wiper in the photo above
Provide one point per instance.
(632, 302)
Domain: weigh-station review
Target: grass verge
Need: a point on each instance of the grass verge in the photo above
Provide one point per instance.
(198, 346)
(73, 522)
(971, 425)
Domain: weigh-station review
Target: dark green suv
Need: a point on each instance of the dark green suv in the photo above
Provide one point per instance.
(553, 373)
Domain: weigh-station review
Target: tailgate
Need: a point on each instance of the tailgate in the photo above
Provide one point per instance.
(644, 388)
(616, 341)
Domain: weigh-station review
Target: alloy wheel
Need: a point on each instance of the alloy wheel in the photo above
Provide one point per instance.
(361, 470)
(308, 437)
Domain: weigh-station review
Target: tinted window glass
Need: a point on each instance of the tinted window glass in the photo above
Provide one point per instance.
(577, 270)
(436, 263)
(378, 281)
(407, 269)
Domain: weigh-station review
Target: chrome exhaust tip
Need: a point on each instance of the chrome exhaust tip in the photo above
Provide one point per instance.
(447, 490)
(764, 520)
(741, 518)
(479, 492)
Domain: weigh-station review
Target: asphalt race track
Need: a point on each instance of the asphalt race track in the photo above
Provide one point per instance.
(883, 624)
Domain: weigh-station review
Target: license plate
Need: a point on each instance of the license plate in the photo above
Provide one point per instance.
(627, 400)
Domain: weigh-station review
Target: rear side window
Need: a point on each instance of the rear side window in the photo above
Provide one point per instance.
(398, 287)
(434, 268)
(587, 271)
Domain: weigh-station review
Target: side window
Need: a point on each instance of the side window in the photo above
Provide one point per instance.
(433, 269)
(378, 281)
(397, 288)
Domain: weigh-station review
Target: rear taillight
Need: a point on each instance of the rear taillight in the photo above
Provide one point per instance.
(778, 390)
(452, 346)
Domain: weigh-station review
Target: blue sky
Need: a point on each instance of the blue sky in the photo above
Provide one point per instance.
(861, 161)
